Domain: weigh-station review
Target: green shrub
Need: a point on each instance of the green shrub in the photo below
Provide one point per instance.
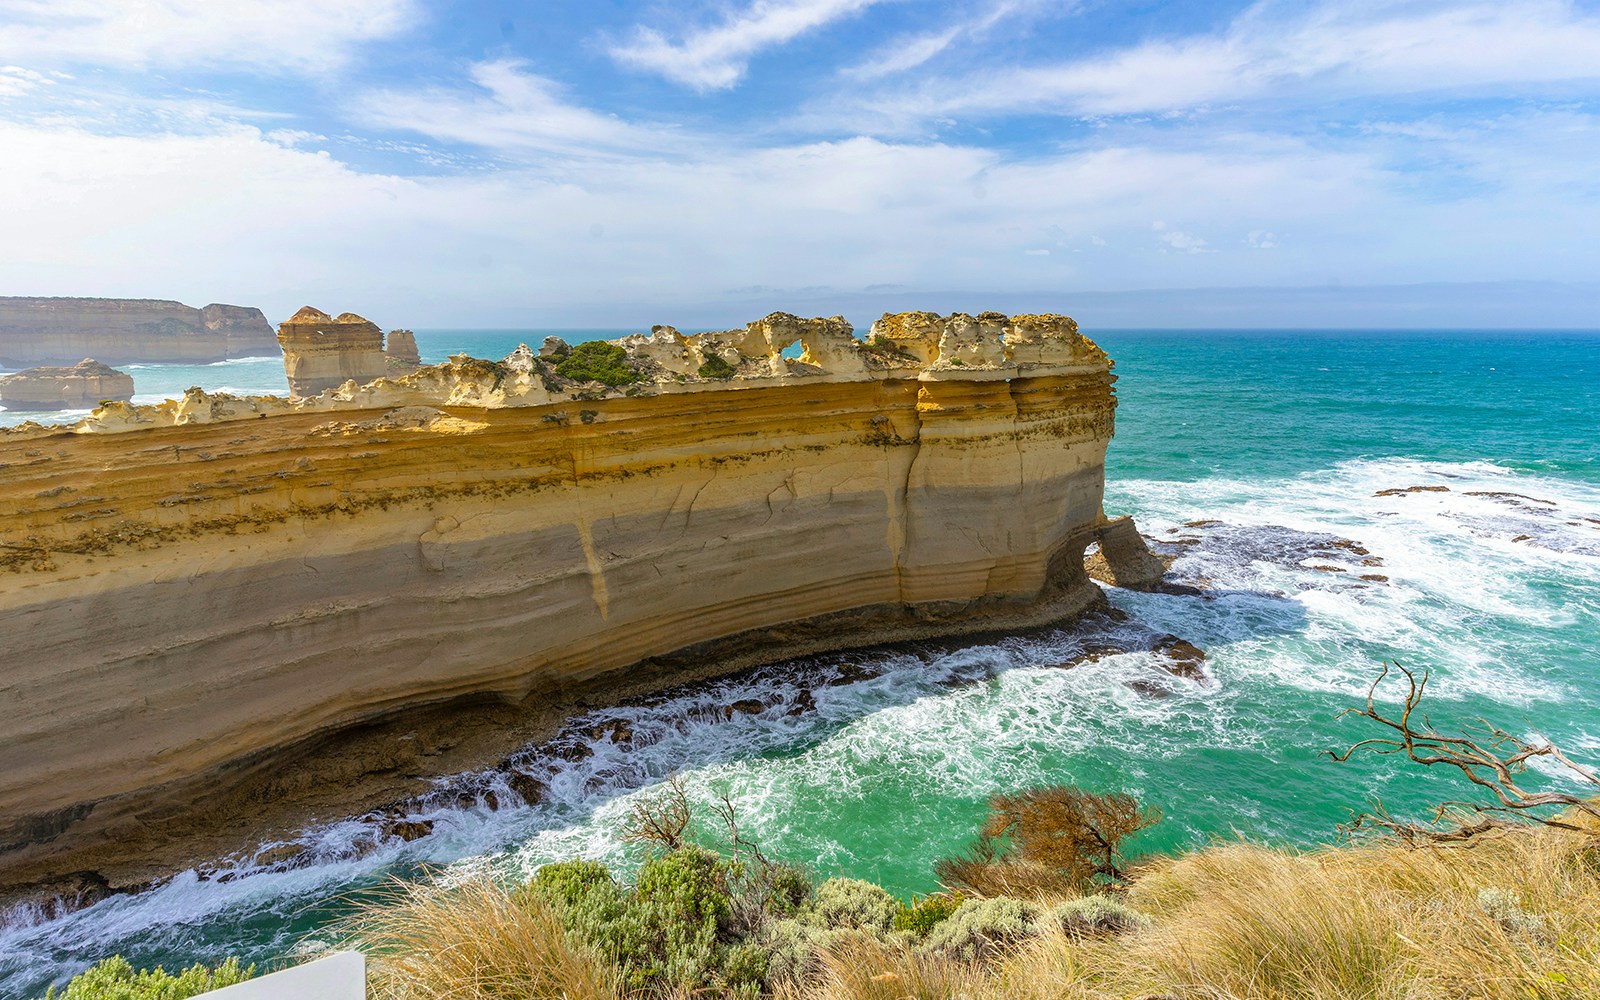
(715, 367)
(923, 915)
(1504, 907)
(598, 361)
(670, 931)
(569, 883)
(794, 949)
(853, 904)
(115, 979)
(1097, 915)
(981, 928)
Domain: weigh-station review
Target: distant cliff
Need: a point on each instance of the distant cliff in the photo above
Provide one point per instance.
(64, 331)
(85, 384)
(188, 588)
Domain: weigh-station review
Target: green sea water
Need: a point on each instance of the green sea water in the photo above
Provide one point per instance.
(1251, 453)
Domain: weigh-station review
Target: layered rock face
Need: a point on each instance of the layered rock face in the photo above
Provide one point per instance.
(59, 331)
(85, 384)
(400, 350)
(321, 352)
(198, 584)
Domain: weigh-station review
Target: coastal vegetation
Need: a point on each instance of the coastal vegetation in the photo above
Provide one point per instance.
(716, 367)
(116, 979)
(1492, 899)
(598, 361)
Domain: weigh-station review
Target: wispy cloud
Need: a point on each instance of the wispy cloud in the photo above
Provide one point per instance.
(301, 36)
(716, 57)
(16, 81)
(907, 52)
(1334, 50)
(511, 110)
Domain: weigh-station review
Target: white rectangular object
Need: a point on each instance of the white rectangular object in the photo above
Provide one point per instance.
(337, 977)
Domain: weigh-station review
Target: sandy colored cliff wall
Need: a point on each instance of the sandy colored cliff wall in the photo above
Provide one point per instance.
(63, 331)
(191, 585)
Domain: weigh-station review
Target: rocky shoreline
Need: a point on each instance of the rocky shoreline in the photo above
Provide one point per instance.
(283, 592)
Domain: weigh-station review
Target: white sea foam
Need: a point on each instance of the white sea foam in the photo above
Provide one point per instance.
(925, 725)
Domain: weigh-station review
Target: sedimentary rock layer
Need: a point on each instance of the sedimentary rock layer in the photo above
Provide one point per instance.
(191, 585)
(321, 352)
(60, 331)
(87, 383)
(400, 350)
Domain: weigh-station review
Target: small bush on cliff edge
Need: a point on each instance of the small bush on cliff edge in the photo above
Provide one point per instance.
(115, 979)
(1055, 838)
(715, 367)
(598, 361)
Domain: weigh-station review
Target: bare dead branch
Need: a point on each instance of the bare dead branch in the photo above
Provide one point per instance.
(661, 819)
(1492, 762)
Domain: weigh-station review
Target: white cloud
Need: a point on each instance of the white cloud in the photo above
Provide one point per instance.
(1182, 242)
(303, 36)
(1336, 49)
(16, 81)
(1261, 239)
(640, 235)
(911, 51)
(513, 110)
(716, 57)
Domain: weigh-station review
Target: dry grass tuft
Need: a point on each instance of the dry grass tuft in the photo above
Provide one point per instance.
(865, 968)
(476, 941)
(1516, 917)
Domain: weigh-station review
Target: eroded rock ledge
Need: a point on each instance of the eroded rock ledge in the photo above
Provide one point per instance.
(189, 587)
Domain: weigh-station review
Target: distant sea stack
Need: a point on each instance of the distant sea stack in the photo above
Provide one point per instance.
(191, 591)
(401, 351)
(322, 352)
(60, 331)
(86, 384)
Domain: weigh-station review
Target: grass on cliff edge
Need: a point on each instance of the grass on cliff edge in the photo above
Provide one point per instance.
(1517, 916)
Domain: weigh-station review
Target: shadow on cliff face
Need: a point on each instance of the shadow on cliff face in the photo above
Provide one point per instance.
(610, 752)
(579, 778)
(607, 753)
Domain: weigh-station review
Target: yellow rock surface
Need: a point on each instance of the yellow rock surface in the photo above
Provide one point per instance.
(194, 584)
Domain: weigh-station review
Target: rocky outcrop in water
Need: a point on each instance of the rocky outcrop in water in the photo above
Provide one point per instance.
(1123, 559)
(400, 350)
(85, 384)
(321, 352)
(59, 331)
(196, 587)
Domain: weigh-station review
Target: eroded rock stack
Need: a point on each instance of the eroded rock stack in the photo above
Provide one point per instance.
(322, 352)
(83, 385)
(400, 349)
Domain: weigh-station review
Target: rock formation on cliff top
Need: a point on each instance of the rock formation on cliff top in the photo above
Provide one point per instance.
(400, 350)
(321, 352)
(336, 362)
(85, 384)
(59, 331)
(207, 581)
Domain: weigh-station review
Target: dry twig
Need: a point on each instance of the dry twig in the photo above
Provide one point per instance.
(1492, 763)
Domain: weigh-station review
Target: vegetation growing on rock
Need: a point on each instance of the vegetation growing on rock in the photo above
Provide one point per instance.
(598, 361)
(715, 367)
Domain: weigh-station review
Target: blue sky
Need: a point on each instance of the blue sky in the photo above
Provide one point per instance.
(615, 163)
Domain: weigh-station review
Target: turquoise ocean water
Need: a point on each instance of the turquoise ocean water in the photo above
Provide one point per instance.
(1253, 452)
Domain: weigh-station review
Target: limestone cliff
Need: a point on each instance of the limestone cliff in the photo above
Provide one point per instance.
(59, 331)
(189, 587)
(321, 352)
(85, 384)
(400, 351)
